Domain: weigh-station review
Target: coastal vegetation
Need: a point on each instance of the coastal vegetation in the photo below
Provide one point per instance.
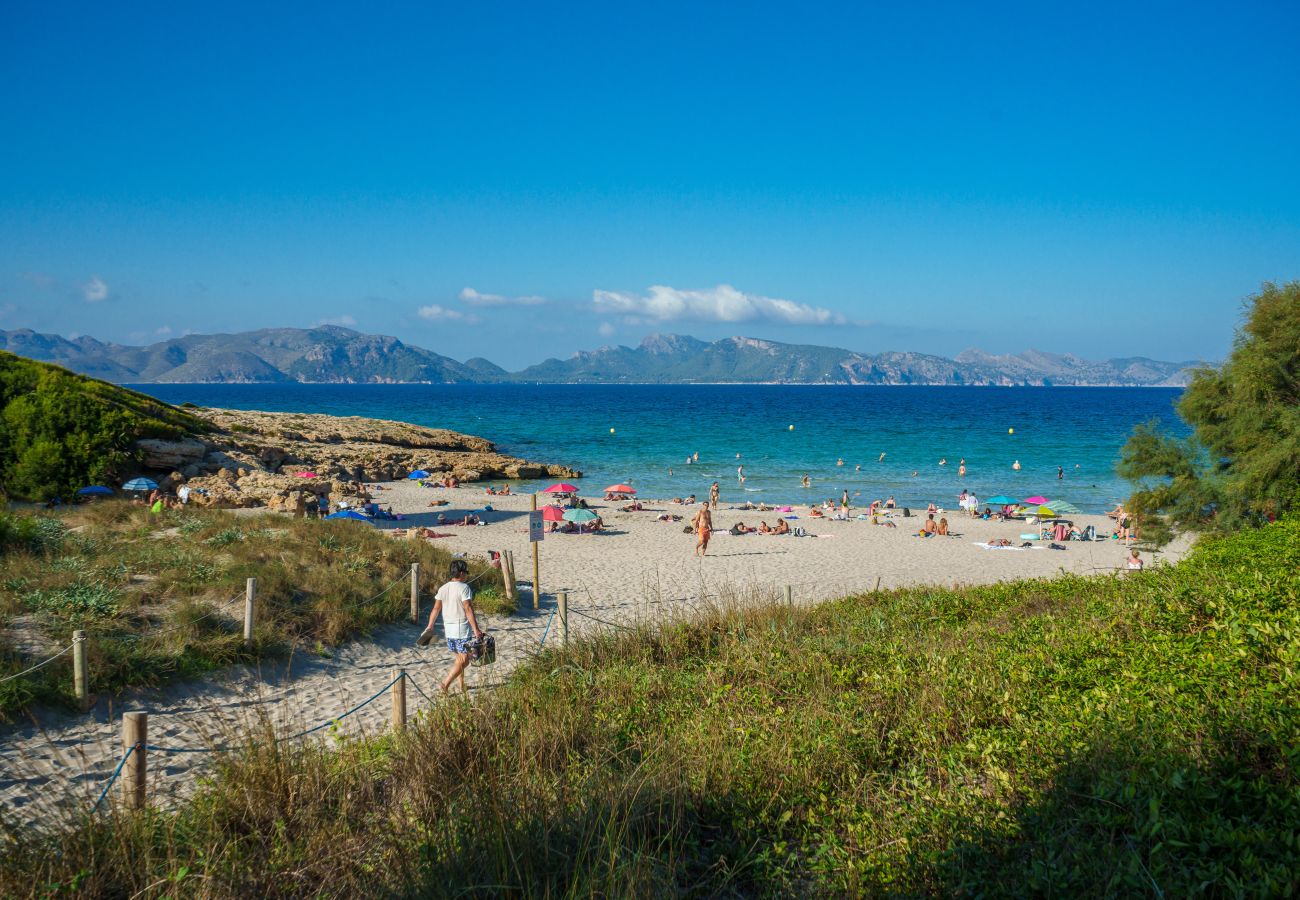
(1241, 464)
(1080, 736)
(60, 431)
(154, 591)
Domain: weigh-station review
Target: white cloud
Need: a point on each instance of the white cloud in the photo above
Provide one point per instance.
(435, 313)
(163, 330)
(471, 297)
(94, 290)
(720, 304)
(605, 330)
(40, 279)
(344, 321)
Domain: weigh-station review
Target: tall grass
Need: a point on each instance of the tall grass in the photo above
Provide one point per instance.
(1099, 736)
(146, 588)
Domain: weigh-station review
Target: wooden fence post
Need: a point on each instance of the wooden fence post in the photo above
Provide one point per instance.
(250, 601)
(415, 593)
(789, 595)
(537, 575)
(135, 733)
(563, 613)
(398, 691)
(508, 575)
(79, 681)
(877, 584)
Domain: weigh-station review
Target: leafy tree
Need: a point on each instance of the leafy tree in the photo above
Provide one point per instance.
(1242, 463)
(59, 430)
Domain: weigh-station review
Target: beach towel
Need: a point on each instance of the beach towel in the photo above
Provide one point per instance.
(987, 547)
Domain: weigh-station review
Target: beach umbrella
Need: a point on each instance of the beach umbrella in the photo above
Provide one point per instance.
(350, 514)
(562, 488)
(95, 490)
(552, 514)
(1002, 500)
(1061, 506)
(1034, 500)
(620, 489)
(1044, 512)
(304, 474)
(140, 484)
(418, 474)
(579, 515)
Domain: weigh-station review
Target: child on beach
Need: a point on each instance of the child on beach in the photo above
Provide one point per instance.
(453, 601)
(1134, 562)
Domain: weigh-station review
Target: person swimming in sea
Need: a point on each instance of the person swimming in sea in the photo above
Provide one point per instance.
(1016, 465)
(882, 458)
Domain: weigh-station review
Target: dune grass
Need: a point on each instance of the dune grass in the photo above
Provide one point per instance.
(1112, 735)
(144, 587)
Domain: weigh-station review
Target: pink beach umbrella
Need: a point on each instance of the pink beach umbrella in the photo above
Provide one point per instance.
(562, 488)
(1034, 501)
(552, 514)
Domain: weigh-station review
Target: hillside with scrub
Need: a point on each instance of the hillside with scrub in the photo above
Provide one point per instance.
(1113, 735)
(60, 431)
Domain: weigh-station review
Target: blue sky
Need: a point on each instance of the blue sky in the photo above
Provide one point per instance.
(518, 182)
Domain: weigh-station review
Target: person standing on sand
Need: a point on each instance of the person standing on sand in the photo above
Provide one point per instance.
(844, 501)
(703, 523)
(453, 601)
(713, 495)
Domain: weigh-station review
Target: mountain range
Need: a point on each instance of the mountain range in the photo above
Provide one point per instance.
(331, 354)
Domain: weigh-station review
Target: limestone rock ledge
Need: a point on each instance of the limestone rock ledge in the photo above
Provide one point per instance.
(252, 458)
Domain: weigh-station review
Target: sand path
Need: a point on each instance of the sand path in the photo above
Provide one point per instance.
(639, 569)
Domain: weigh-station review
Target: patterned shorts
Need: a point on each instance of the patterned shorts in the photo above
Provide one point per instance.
(458, 645)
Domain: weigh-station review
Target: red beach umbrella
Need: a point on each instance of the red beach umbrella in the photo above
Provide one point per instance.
(552, 514)
(620, 489)
(562, 488)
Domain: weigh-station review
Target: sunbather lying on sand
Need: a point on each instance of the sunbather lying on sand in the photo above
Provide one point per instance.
(782, 527)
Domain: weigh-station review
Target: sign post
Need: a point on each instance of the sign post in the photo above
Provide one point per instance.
(536, 533)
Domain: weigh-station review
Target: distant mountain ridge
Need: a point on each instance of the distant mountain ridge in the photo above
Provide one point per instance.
(334, 355)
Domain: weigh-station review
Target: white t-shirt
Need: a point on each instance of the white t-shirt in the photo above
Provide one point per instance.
(454, 595)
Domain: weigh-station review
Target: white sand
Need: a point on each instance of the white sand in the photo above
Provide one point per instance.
(638, 570)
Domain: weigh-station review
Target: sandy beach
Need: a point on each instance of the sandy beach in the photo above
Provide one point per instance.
(638, 569)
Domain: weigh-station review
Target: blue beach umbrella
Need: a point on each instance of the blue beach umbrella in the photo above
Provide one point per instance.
(140, 484)
(95, 490)
(350, 514)
(1002, 500)
(579, 515)
(418, 474)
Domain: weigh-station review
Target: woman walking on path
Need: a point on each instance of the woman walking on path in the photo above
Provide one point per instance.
(453, 601)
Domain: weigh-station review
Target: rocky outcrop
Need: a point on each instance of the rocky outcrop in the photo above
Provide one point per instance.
(254, 458)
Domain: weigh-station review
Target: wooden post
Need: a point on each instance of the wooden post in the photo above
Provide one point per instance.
(135, 733)
(415, 593)
(537, 577)
(398, 691)
(250, 600)
(877, 584)
(789, 596)
(563, 613)
(508, 575)
(79, 680)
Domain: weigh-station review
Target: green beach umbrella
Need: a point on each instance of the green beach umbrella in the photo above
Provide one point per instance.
(579, 515)
(1061, 506)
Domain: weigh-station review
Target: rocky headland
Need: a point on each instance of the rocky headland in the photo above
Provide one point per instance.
(260, 458)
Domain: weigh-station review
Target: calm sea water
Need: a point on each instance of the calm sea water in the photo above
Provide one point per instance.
(656, 427)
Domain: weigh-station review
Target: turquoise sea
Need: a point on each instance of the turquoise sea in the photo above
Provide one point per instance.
(638, 433)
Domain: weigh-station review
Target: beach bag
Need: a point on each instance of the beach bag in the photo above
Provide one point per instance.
(482, 651)
(907, 512)
(800, 531)
(688, 530)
